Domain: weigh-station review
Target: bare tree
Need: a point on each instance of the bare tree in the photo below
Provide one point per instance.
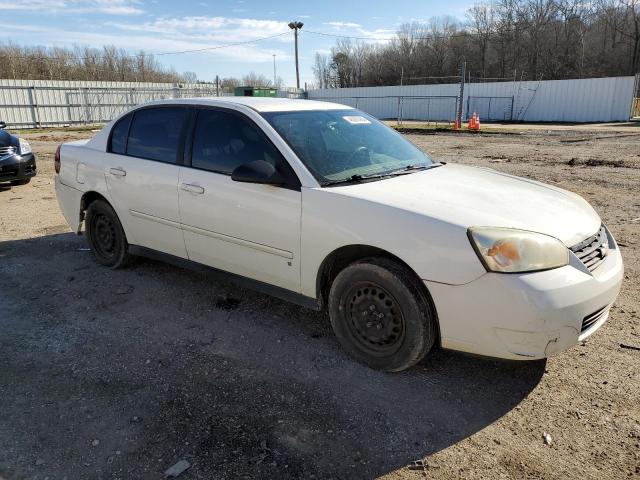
(228, 84)
(322, 71)
(189, 77)
(253, 79)
(623, 18)
(521, 39)
(482, 25)
(84, 63)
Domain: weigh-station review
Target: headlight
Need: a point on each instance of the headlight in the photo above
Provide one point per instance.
(508, 250)
(25, 148)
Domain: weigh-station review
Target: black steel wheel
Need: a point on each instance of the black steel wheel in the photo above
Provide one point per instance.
(381, 314)
(105, 235)
(374, 318)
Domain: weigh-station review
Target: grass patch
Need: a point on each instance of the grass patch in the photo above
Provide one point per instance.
(429, 129)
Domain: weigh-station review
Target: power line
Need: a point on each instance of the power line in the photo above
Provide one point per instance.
(234, 44)
(157, 54)
(347, 36)
(221, 46)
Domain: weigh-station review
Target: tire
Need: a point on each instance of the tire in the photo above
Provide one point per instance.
(17, 183)
(105, 235)
(382, 315)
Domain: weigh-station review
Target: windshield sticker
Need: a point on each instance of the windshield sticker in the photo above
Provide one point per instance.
(356, 120)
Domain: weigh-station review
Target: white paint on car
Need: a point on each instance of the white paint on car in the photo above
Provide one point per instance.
(281, 236)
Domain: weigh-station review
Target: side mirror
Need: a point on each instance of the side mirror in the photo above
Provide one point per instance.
(2, 125)
(258, 171)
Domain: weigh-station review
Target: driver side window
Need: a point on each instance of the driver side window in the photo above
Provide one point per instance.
(222, 141)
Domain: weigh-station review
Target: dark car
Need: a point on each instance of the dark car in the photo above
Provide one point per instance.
(17, 161)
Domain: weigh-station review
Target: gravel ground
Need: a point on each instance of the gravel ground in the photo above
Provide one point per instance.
(122, 374)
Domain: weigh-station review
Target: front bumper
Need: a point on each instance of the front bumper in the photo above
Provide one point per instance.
(16, 167)
(530, 315)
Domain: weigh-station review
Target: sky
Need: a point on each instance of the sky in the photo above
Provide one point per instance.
(174, 25)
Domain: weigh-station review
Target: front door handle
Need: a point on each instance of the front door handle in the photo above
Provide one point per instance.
(118, 172)
(191, 188)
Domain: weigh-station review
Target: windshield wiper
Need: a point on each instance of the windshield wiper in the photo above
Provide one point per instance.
(411, 169)
(376, 176)
(352, 179)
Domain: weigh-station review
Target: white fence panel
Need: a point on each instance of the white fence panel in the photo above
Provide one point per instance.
(580, 100)
(29, 103)
(34, 103)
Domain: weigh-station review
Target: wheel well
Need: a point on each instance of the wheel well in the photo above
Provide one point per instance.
(87, 199)
(342, 257)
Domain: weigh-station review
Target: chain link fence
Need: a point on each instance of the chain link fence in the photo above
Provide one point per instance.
(491, 109)
(435, 108)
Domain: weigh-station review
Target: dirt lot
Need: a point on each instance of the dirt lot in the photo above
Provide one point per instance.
(121, 374)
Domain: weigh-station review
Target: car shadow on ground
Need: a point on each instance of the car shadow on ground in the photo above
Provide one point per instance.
(124, 373)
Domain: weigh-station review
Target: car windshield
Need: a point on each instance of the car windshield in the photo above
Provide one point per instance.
(346, 145)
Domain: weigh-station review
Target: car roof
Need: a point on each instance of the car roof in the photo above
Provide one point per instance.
(260, 104)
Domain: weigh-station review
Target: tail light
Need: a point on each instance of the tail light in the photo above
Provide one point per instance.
(56, 160)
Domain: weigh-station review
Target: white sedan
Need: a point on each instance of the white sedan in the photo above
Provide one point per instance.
(323, 205)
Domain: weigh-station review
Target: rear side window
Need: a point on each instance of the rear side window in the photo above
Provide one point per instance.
(155, 133)
(223, 141)
(119, 135)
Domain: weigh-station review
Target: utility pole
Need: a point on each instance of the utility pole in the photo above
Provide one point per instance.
(463, 67)
(274, 69)
(217, 86)
(295, 26)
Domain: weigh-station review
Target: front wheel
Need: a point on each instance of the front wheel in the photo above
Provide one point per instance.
(381, 314)
(105, 235)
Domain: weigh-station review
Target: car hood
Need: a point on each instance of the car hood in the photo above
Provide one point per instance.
(6, 139)
(472, 196)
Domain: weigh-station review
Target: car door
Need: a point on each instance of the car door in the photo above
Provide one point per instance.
(142, 176)
(249, 229)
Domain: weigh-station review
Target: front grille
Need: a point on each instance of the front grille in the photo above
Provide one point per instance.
(593, 250)
(590, 320)
(7, 151)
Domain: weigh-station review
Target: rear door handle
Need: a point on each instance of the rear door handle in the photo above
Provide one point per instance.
(118, 172)
(191, 188)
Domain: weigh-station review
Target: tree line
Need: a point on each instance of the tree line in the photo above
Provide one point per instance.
(500, 40)
(106, 64)
(84, 63)
(252, 79)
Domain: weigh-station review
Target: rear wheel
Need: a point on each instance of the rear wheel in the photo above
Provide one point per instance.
(381, 315)
(17, 183)
(105, 235)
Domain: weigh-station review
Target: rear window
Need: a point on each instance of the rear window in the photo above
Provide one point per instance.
(155, 133)
(119, 135)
